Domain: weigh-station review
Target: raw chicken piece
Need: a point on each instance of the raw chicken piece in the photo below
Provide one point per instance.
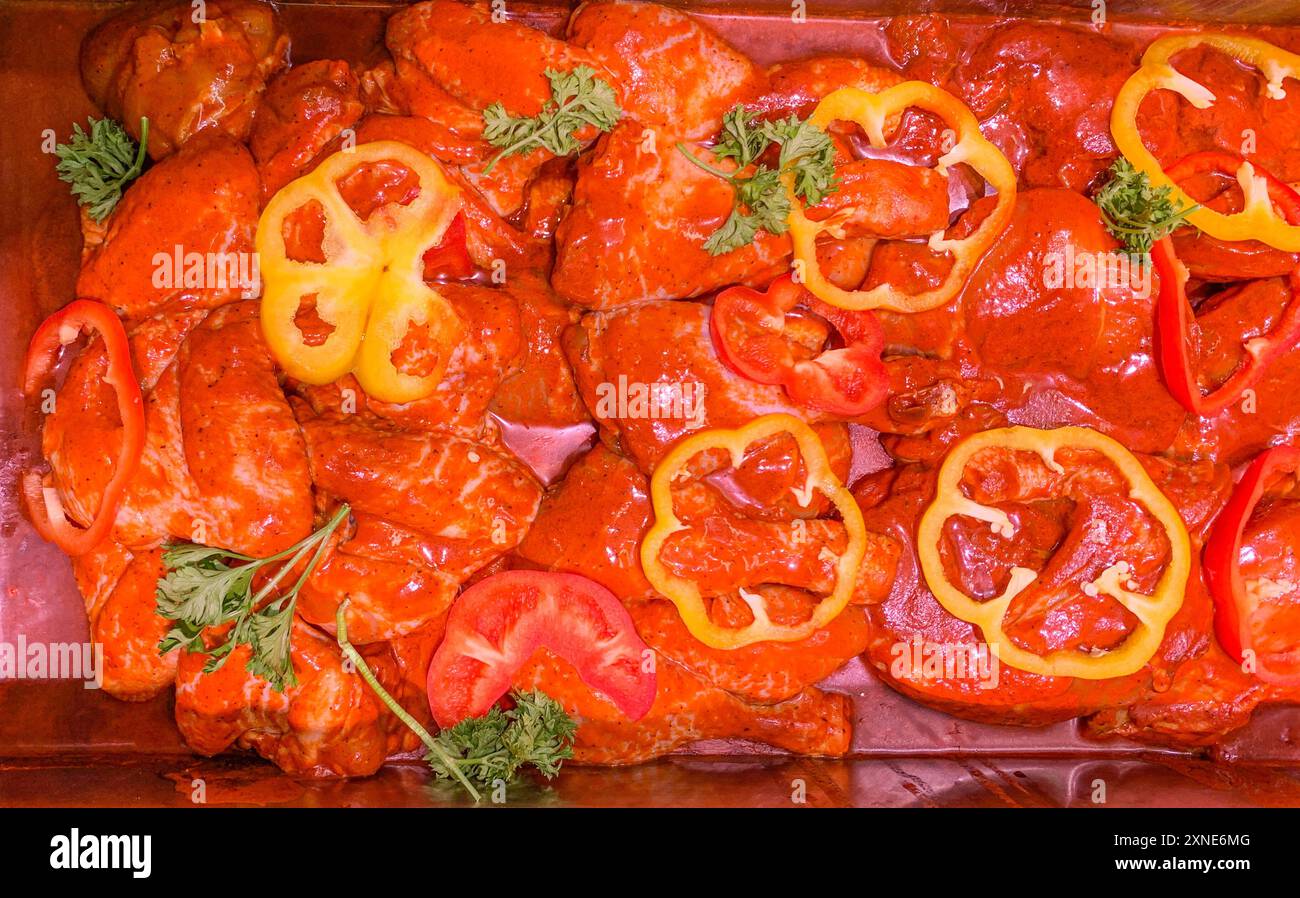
(668, 344)
(452, 61)
(1033, 318)
(119, 587)
(223, 462)
(477, 61)
(447, 486)
(642, 213)
(923, 46)
(432, 508)
(910, 617)
(687, 710)
(764, 671)
(674, 73)
(331, 723)
(187, 69)
(242, 444)
(1210, 697)
(1043, 96)
(795, 88)
(399, 89)
(200, 203)
(542, 393)
(593, 523)
(395, 579)
(303, 111)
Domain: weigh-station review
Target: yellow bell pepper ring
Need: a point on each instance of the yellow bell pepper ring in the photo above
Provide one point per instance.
(685, 593)
(370, 289)
(1257, 220)
(1152, 611)
(873, 112)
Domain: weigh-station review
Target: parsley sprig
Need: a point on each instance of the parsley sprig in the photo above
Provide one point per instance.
(203, 589)
(761, 203)
(99, 164)
(536, 732)
(1136, 213)
(578, 99)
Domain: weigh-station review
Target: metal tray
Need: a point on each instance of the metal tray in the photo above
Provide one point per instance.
(61, 744)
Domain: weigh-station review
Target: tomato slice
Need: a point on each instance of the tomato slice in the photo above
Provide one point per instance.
(498, 623)
(756, 337)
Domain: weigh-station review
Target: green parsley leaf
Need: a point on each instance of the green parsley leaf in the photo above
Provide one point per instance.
(536, 732)
(578, 99)
(762, 204)
(808, 151)
(1136, 213)
(99, 164)
(201, 589)
(741, 139)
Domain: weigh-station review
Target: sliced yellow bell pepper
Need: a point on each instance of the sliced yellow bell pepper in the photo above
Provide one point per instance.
(1152, 611)
(1257, 220)
(371, 288)
(873, 112)
(819, 477)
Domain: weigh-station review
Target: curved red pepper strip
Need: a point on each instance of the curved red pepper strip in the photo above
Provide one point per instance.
(1223, 557)
(1174, 314)
(57, 331)
(450, 258)
(1173, 324)
(749, 334)
(1225, 163)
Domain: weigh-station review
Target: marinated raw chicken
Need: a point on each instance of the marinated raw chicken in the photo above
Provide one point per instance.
(187, 68)
(119, 586)
(183, 236)
(330, 723)
(525, 511)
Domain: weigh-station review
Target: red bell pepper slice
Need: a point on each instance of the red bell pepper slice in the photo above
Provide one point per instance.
(750, 332)
(57, 331)
(449, 260)
(1174, 314)
(1232, 605)
(1174, 317)
(1222, 162)
(496, 625)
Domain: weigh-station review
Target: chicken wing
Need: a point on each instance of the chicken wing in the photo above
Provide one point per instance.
(331, 723)
(649, 374)
(119, 588)
(687, 710)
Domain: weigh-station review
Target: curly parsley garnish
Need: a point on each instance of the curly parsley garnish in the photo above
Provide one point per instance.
(578, 99)
(536, 732)
(100, 163)
(762, 204)
(202, 589)
(1136, 213)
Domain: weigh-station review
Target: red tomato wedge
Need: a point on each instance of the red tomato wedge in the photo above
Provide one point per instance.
(497, 624)
(756, 336)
